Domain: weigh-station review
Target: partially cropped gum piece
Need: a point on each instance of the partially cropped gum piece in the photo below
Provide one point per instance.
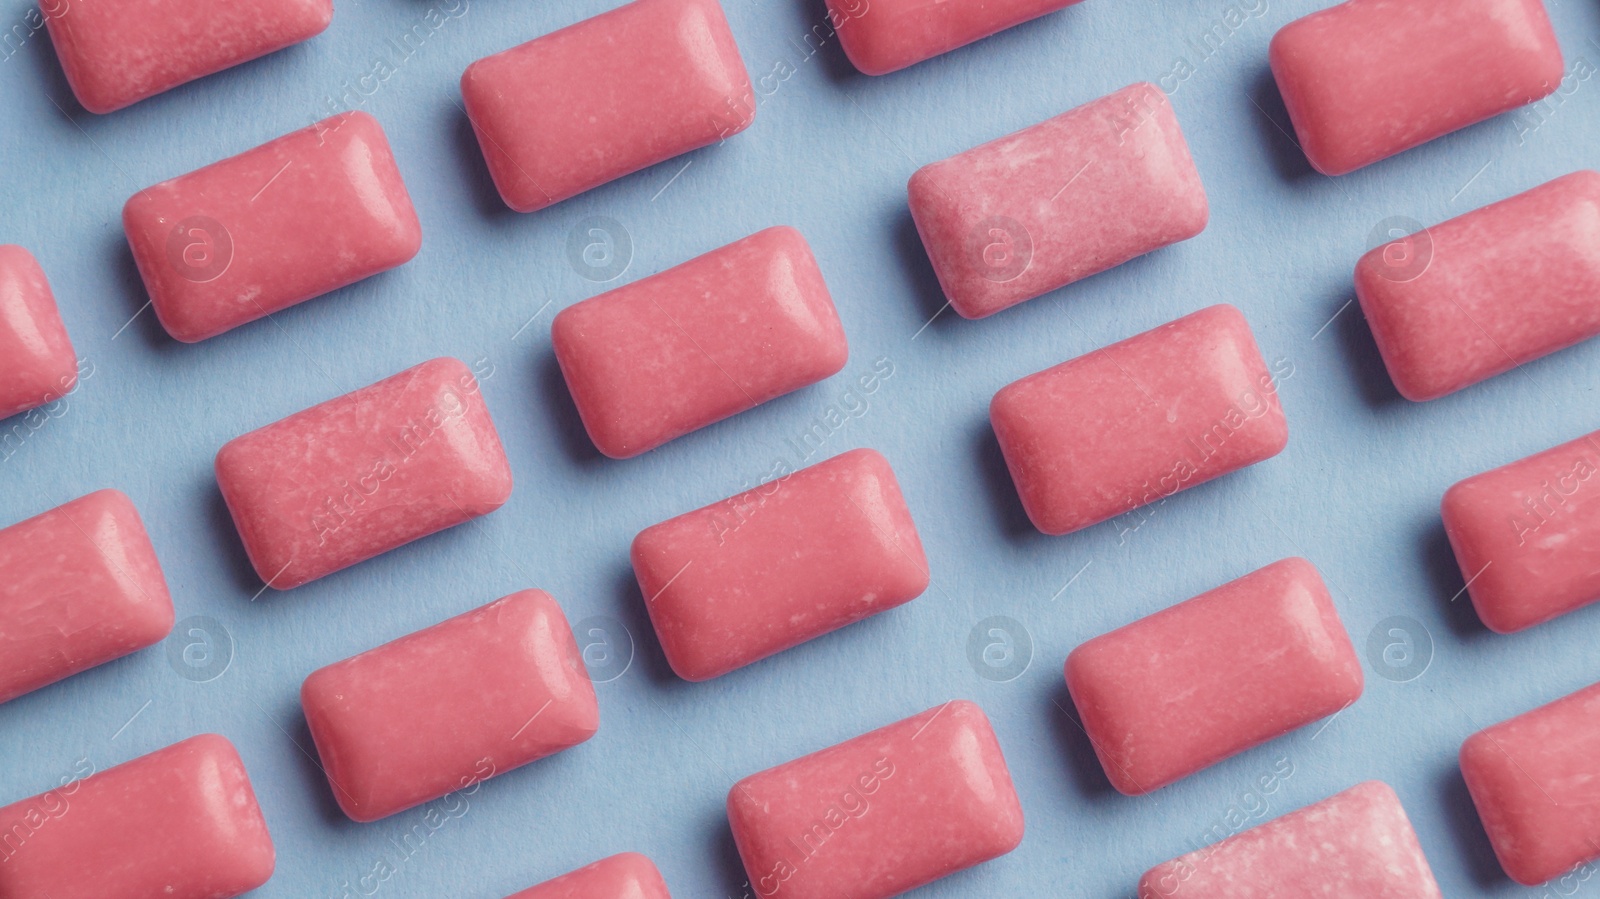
(292, 219)
(627, 875)
(697, 343)
(1212, 676)
(80, 585)
(605, 97)
(1367, 79)
(450, 706)
(804, 554)
(882, 36)
(363, 473)
(1358, 843)
(1527, 535)
(1135, 422)
(1487, 291)
(1535, 780)
(1025, 214)
(179, 823)
(116, 54)
(37, 364)
(880, 814)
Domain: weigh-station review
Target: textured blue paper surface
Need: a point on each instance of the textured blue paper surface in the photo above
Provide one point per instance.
(1356, 491)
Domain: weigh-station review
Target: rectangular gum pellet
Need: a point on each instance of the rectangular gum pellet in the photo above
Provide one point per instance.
(1535, 780)
(880, 814)
(1367, 79)
(797, 557)
(1527, 535)
(361, 474)
(100, 597)
(179, 823)
(1487, 291)
(450, 706)
(37, 364)
(627, 875)
(1212, 676)
(605, 97)
(1135, 422)
(724, 332)
(116, 54)
(882, 36)
(292, 219)
(1358, 843)
(1025, 214)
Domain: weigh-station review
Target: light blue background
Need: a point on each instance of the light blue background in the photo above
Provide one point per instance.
(1356, 491)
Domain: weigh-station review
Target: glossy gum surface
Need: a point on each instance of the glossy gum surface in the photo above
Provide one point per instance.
(1358, 843)
(363, 473)
(699, 342)
(79, 586)
(1527, 535)
(1367, 79)
(628, 875)
(1025, 214)
(449, 706)
(116, 54)
(1138, 421)
(1212, 676)
(795, 558)
(881, 36)
(37, 364)
(290, 220)
(880, 814)
(1502, 285)
(610, 95)
(1535, 780)
(179, 823)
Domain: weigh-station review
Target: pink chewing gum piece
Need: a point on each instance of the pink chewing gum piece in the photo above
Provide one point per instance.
(881, 814)
(1527, 535)
(773, 567)
(1358, 843)
(605, 97)
(1367, 79)
(1487, 291)
(1535, 780)
(79, 586)
(883, 36)
(450, 706)
(1023, 215)
(116, 54)
(37, 364)
(179, 823)
(293, 219)
(1058, 202)
(724, 332)
(363, 473)
(1137, 421)
(1212, 676)
(628, 875)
